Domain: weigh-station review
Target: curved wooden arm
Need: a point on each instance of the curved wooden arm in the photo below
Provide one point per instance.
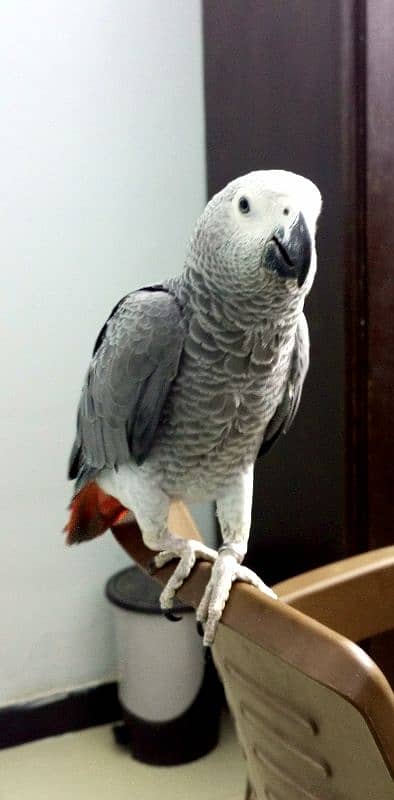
(313, 649)
(181, 522)
(354, 597)
(128, 535)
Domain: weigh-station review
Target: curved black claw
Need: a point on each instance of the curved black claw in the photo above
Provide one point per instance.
(200, 628)
(151, 567)
(171, 616)
(207, 654)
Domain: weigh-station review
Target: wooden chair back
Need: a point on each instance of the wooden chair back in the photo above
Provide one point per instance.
(314, 714)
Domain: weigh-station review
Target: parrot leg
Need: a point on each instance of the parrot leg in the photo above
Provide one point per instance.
(234, 512)
(225, 571)
(152, 517)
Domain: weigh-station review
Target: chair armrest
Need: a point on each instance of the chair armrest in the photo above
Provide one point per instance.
(275, 626)
(181, 522)
(354, 596)
(128, 535)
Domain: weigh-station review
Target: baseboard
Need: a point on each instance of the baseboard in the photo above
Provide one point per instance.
(84, 708)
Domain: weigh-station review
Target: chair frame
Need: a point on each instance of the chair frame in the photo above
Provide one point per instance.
(287, 628)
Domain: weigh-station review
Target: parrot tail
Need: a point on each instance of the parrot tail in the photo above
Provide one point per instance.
(92, 512)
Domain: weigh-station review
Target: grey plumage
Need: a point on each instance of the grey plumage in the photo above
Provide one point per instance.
(287, 410)
(191, 380)
(133, 365)
(198, 375)
(207, 417)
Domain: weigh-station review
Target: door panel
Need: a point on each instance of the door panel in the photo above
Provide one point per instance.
(274, 100)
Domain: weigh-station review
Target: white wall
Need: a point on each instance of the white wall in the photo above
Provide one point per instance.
(102, 177)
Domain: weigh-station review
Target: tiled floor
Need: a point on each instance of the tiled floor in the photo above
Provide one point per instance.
(85, 765)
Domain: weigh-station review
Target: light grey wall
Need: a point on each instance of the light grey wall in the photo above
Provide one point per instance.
(102, 176)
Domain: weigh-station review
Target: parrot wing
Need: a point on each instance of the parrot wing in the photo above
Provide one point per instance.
(287, 410)
(134, 362)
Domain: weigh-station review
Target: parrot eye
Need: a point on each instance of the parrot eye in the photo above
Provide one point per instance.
(243, 205)
(286, 211)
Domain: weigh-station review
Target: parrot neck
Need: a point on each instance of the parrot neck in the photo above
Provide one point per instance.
(276, 307)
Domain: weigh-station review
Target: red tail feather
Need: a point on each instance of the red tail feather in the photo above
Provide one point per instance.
(92, 513)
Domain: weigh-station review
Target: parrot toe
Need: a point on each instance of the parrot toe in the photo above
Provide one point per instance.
(188, 551)
(151, 567)
(163, 558)
(248, 576)
(225, 571)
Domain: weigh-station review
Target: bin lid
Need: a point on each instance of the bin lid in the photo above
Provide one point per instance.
(133, 590)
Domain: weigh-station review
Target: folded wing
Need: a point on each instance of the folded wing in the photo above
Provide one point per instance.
(287, 410)
(134, 362)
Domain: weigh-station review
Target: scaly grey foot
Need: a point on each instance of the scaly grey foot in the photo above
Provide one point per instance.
(225, 571)
(188, 551)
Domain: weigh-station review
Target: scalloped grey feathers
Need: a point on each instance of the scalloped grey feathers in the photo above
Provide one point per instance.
(287, 410)
(134, 363)
(203, 373)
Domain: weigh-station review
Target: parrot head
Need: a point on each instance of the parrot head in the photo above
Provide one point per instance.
(259, 233)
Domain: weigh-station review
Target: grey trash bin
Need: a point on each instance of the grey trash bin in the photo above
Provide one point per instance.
(170, 697)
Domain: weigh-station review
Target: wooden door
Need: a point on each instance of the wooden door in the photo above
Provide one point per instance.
(309, 86)
(379, 278)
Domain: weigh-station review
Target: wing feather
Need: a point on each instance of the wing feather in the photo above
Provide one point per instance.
(285, 413)
(135, 360)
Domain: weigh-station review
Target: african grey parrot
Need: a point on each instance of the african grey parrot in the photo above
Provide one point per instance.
(192, 379)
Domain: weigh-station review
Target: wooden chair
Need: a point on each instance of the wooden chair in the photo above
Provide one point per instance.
(314, 714)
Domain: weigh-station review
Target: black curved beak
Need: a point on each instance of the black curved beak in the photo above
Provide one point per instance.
(290, 257)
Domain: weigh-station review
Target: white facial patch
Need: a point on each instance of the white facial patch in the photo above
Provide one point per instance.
(266, 211)
(267, 200)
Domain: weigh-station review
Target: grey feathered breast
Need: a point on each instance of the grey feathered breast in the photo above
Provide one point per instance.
(136, 360)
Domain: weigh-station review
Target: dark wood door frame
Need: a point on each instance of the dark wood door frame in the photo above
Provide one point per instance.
(309, 86)
(368, 84)
(379, 60)
(263, 60)
(353, 89)
(380, 267)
